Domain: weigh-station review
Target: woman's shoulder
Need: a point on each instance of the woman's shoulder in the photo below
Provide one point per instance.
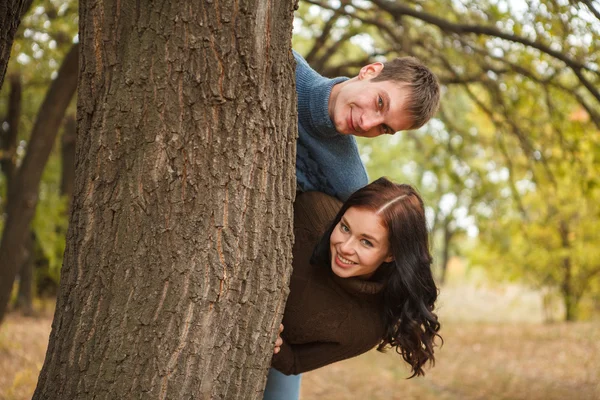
(314, 211)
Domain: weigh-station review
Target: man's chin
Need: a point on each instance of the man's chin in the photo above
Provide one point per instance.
(345, 131)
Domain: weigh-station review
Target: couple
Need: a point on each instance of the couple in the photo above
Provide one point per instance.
(368, 281)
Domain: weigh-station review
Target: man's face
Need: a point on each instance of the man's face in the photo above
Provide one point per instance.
(365, 108)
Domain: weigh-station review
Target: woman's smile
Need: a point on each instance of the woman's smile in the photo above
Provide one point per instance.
(344, 262)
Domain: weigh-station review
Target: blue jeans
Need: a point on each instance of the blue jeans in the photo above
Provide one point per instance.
(282, 387)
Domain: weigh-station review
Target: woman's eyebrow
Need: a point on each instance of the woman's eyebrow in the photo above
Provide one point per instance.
(365, 235)
(370, 237)
(345, 222)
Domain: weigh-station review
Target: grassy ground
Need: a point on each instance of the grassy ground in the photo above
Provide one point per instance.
(23, 342)
(496, 347)
(478, 361)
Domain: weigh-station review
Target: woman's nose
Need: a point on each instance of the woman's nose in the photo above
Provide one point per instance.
(346, 247)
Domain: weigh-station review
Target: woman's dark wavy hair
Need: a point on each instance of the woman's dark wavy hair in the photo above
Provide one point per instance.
(409, 291)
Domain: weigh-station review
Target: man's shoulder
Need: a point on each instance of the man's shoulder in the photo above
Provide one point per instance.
(298, 57)
(302, 66)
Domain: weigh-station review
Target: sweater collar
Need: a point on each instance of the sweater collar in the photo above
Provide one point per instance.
(316, 95)
(358, 286)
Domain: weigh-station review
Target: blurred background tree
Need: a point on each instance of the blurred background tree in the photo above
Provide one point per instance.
(45, 35)
(508, 168)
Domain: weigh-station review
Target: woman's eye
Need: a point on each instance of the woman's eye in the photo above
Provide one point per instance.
(344, 228)
(367, 243)
(386, 130)
(380, 102)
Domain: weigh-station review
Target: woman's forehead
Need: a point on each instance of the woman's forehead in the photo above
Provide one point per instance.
(365, 221)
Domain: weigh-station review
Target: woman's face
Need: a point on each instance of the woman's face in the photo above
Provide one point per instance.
(359, 244)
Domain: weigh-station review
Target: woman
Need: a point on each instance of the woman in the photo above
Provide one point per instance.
(368, 283)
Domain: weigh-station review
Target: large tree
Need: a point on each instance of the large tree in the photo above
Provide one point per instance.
(179, 244)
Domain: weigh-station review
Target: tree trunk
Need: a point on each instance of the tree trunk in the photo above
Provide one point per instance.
(8, 150)
(24, 300)
(446, 250)
(11, 12)
(179, 244)
(67, 178)
(567, 291)
(24, 190)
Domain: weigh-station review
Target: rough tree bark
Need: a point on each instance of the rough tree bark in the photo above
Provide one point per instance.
(67, 150)
(24, 189)
(11, 12)
(179, 244)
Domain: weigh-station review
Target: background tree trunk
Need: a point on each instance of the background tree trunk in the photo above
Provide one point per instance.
(24, 301)
(8, 138)
(8, 150)
(11, 12)
(25, 186)
(446, 240)
(179, 244)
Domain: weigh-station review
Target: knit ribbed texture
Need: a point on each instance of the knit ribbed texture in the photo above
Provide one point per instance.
(327, 318)
(326, 161)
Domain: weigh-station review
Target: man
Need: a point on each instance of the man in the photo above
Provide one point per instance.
(382, 99)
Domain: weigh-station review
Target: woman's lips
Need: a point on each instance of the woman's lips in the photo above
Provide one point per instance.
(342, 264)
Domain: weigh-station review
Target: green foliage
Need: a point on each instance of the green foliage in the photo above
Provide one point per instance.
(45, 35)
(510, 167)
(50, 221)
(513, 158)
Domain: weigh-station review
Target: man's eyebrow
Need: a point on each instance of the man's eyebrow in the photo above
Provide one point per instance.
(386, 99)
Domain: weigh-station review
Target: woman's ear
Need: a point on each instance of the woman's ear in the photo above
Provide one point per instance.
(389, 258)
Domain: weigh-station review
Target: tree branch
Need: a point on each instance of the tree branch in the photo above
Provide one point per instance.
(398, 10)
(591, 7)
(320, 41)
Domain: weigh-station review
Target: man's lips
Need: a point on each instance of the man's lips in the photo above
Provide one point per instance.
(351, 122)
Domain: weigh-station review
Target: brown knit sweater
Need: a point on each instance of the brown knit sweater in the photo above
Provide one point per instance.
(327, 318)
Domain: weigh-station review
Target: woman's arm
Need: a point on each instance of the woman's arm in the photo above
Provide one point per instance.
(298, 358)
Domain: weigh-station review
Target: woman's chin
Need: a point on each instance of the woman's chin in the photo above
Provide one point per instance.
(341, 271)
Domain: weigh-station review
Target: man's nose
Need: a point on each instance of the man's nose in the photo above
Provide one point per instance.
(370, 120)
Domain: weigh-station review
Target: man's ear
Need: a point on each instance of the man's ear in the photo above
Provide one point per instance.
(370, 71)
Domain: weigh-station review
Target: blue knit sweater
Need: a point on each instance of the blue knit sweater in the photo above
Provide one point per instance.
(326, 161)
